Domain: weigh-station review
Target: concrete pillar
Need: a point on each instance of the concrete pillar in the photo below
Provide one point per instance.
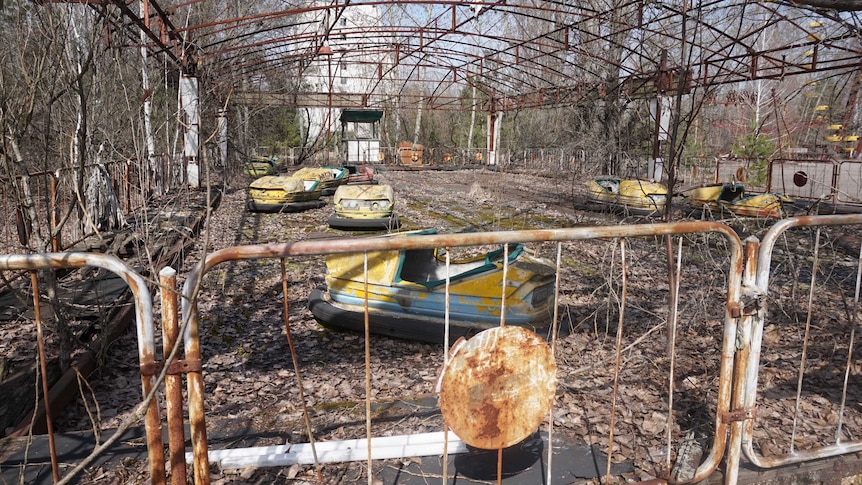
(190, 109)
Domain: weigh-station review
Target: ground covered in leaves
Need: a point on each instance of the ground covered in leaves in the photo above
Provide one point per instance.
(616, 364)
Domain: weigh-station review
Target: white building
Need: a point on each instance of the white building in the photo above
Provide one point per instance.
(335, 75)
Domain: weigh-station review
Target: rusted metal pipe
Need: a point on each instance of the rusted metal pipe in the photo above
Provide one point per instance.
(43, 367)
(744, 346)
(728, 351)
(762, 281)
(173, 381)
(352, 245)
(195, 385)
(143, 317)
(153, 426)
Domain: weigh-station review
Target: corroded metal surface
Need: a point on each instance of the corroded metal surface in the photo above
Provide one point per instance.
(498, 387)
(145, 332)
(173, 381)
(193, 282)
(361, 244)
(759, 320)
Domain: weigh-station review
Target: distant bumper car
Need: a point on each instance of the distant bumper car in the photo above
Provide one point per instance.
(360, 175)
(732, 199)
(329, 178)
(632, 196)
(406, 293)
(364, 207)
(259, 166)
(274, 193)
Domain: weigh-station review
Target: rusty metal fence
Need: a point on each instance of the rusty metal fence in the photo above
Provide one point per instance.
(834, 184)
(661, 371)
(57, 203)
(816, 391)
(618, 429)
(146, 346)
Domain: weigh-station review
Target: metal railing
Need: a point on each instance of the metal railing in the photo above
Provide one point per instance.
(731, 264)
(747, 400)
(146, 345)
(829, 182)
(807, 329)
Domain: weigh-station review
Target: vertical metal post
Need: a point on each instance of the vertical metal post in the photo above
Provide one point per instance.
(370, 475)
(748, 321)
(190, 107)
(657, 130)
(152, 424)
(173, 382)
(329, 112)
(43, 366)
(197, 419)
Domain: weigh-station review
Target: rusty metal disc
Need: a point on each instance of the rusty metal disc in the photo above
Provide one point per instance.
(497, 389)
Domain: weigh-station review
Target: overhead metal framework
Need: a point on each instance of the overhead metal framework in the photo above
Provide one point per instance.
(516, 53)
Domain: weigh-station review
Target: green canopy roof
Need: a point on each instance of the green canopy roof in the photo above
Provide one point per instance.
(361, 115)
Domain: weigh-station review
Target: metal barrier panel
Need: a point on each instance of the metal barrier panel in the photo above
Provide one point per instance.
(54, 193)
(146, 347)
(804, 366)
(810, 180)
(644, 378)
(731, 170)
(850, 182)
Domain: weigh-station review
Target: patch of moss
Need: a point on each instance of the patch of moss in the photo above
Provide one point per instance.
(339, 405)
(295, 266)
(580, 266)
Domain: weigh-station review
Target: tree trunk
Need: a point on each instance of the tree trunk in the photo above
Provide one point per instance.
(154, 177)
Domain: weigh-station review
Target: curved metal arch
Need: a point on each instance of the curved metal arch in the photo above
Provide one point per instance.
(551, 44)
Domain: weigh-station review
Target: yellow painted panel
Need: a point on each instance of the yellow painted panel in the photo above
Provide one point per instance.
(382, 266)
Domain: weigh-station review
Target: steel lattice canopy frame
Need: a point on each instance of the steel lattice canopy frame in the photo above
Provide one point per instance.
(517, 53)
